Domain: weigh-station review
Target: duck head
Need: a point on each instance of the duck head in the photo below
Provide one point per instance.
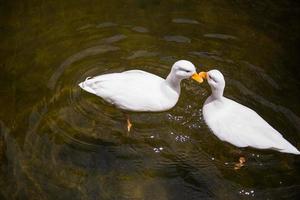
(216, 81)
(184, 69)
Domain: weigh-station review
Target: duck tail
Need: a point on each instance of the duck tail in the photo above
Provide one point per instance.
(85, 85)
(291, 150)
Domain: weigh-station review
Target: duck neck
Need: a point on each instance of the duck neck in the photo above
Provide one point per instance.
(217, 94)
(173, 82)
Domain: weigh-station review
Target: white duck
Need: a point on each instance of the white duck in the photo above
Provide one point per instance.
(238, 124)
(141, 91)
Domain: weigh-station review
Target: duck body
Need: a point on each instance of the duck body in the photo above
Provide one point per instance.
(140, 91)
(237, 124)
(133, 90)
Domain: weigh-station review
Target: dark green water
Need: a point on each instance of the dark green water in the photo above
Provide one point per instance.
(59, 142)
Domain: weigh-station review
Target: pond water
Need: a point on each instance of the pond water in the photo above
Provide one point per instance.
(60, 142)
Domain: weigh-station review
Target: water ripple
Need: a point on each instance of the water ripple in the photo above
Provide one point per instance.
(105, 25)
(184, 21)
(220, 36)
(260, 72)
(177, 38)
(141, 54)
(76, 57)
(140, 29)
(112, 39)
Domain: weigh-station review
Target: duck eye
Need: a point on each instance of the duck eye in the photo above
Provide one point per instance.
(212, 78)
(185, 70)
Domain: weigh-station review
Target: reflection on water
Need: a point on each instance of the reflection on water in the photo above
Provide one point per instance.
(177, 38)
(59, 142)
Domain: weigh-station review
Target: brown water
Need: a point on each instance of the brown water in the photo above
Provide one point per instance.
(59, 142)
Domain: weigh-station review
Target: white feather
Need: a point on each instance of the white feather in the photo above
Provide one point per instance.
(237, 124)
(137, 90)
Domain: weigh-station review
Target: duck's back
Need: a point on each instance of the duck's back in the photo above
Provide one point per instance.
(242, 127)
(133, 90)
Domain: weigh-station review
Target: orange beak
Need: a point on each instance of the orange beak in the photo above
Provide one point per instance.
(199, 77)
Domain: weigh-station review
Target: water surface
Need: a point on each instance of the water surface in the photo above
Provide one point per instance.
(59, 142)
